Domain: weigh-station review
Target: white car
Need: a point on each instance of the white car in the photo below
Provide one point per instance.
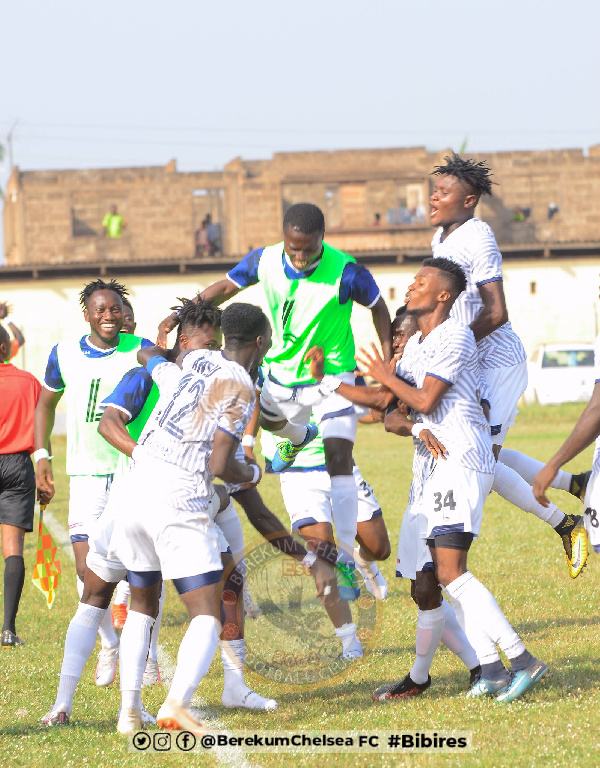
(561, 373)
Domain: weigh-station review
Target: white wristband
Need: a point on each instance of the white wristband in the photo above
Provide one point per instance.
(249, 441)
(329, 383)
(41, 453)
(256, 474)
(309, 560)
(416, 429)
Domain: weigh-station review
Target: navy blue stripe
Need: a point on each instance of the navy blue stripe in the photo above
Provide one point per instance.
(189, 583)
(440, 378)
(440, 530)
(143, 578)
(490, 280)
(344, 412)
(231, 434)
(79, 537)
(269, 413)
(303, 522)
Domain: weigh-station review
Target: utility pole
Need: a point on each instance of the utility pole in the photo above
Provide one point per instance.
(9, 144)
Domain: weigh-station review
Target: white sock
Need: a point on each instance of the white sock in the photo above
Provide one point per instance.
(229, 522)
(108, 636)
(195, 655)
(135, 639)
(295, 433)
(344, 507)
(528, 468)
(484, 623)
(235, 691)
(430, 626)
(153, 652)
(511, 486)
(122, 593)
(79, 644)
(454, 638)
(347, 634)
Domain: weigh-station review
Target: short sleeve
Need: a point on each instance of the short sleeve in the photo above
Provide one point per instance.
(451, 354)
(165, 374)
(238, 401)
(146, 343)
(53, 379)
(245, 274)
(358, 284)
(486, 265)
(131, 393)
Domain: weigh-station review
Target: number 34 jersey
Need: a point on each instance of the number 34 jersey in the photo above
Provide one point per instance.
(87, 375)
(449, 353)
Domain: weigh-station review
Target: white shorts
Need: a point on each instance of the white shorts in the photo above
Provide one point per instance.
(591, 514)
(107, 568)
(307, 498)
(88, 496)
(336, 416)
(506, 385)
(152, 535)
(414, 555)
(453, 498)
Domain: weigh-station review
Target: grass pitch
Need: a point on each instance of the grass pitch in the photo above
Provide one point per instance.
(519, 558)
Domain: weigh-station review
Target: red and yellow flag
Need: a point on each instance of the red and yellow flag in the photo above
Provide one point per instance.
(47, 572)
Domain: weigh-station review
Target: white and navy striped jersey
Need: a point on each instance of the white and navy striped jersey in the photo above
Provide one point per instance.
(473, 247)
(207, 394)
(449, 353)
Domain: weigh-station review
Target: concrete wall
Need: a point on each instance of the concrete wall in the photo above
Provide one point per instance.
(564, 307)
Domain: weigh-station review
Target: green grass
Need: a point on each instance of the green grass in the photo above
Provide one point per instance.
(517, 557)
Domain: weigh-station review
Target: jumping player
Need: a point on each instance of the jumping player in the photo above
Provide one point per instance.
(464, 239)
(310, 289)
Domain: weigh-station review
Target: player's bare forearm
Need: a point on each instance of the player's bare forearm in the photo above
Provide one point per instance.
(223, 463)
(43, 421)
(112, 427)
(494, 312)
(220, 291)
(377, 398)
(397, 423)
(383, 325)
(585, 431)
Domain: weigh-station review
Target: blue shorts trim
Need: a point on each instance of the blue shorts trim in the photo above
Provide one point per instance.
(79, 537)
(143, 578)
(377, 513)
(189, 583)
(440, 530)
(496, 429)
(303, 522)
(351, 411)
(426, 567)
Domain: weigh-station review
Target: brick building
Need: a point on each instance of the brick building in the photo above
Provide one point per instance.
(375, 203)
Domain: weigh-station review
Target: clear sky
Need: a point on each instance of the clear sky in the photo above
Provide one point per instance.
(140, 82)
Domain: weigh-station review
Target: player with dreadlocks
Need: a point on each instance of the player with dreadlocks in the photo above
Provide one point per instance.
(469, 242)
(87, 369)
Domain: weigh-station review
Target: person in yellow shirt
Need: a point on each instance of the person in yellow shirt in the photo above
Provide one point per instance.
(114, 223)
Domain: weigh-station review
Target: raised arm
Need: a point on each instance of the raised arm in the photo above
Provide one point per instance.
(383, 325)
(494, 312)
(584, 433)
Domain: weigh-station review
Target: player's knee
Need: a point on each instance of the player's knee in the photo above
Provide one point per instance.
(427, 595)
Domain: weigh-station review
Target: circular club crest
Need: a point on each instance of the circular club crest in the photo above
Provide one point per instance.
(293, 641)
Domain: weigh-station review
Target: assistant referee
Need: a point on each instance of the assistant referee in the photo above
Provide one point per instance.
(19, 393)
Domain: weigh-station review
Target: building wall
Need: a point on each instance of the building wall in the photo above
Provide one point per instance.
(44, 210)
(564, 307)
